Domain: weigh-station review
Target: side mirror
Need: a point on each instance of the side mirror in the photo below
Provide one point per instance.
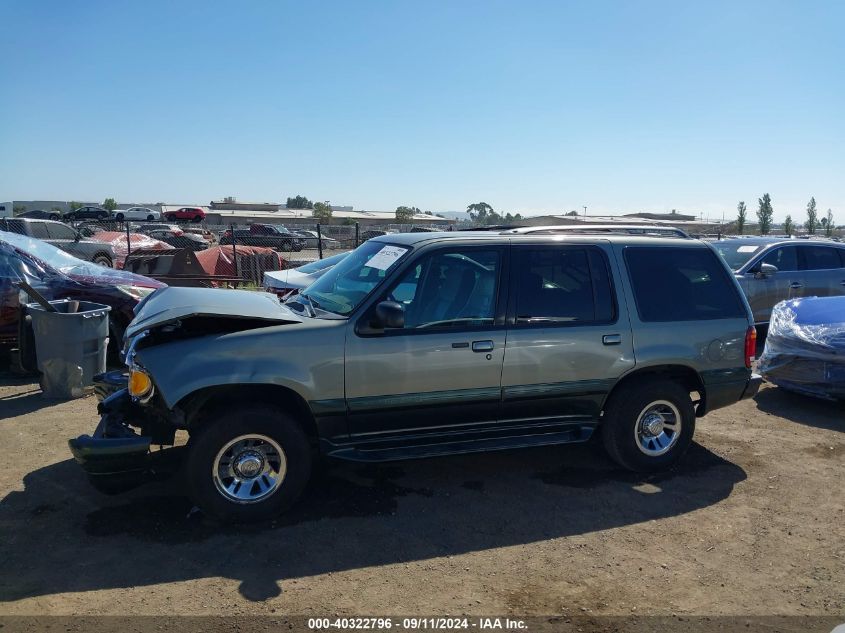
(765, 270)
(390, 314)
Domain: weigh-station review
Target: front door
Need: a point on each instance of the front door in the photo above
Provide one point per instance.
(568, 341)
(442, 371)
(764, 290)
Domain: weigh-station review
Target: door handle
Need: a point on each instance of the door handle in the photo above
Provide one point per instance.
(611, 339)
(795, 285)
(482, 346)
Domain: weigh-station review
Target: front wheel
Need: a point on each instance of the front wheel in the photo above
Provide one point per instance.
(647, 426)
(170, 218)
(247, 463)
(119, 217)
(151, 218)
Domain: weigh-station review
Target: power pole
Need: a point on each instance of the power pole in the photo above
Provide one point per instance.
(585, 210)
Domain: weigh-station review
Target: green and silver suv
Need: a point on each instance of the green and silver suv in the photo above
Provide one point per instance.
(428, 344)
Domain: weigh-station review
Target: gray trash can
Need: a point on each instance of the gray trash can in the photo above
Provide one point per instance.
(70, 346)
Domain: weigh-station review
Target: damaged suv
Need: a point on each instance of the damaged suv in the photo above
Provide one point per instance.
(427, 344)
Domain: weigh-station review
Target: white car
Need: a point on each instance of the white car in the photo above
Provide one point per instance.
(137, 213)
(291, 281)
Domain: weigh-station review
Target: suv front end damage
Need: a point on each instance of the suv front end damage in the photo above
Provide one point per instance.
(117, 457)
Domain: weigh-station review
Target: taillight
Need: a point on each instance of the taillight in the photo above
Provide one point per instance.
(750, 345)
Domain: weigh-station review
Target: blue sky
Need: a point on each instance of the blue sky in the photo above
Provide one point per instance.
(530, 106)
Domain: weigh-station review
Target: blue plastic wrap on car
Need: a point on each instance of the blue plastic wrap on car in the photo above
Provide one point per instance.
(805, 347)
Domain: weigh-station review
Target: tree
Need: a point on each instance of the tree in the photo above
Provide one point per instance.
(765, 213)
(109, 204)
(322, 211)
(811, 222)
(828, 224)
(517, 217)
(740, 217)
(74, 205)
(788, 226)
(479, 212)
(300, 202)
(18, 209)
(404, 215)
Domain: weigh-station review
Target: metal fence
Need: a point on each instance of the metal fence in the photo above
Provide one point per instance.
(234, 255)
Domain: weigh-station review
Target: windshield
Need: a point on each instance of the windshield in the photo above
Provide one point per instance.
(50, 255)
(736, 254)
(346, 285)
(322, 264)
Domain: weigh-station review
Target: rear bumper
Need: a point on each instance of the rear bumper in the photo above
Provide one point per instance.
(752, 387)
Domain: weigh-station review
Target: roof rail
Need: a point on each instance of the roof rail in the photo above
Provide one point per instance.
(597, 229)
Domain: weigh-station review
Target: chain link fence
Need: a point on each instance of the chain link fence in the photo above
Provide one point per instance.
(226, 255)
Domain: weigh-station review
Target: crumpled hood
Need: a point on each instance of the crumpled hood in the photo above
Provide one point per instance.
(171, 304)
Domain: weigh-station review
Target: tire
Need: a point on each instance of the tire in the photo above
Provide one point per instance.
(197, 218)
(636, 448)
(103, 260)
(222, 438)
(102, 216)
(54, 216)
(170, 218)
(119, 217)
(151, 218)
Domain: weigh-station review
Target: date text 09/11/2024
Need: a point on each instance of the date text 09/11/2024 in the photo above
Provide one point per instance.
(430, 623)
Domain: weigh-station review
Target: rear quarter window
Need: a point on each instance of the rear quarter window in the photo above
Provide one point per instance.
(681, 284)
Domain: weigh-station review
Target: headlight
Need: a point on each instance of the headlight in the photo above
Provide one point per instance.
(136, 292)
(140, 383)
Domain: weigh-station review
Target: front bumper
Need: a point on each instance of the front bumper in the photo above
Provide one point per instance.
(752, 387)
(115, 457)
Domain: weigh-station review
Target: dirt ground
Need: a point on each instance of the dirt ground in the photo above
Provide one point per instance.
(752, 522)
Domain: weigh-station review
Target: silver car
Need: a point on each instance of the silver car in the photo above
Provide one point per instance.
(771, 269)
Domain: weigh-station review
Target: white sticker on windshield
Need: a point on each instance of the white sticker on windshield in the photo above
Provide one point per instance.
(386, 257)
(746, 249)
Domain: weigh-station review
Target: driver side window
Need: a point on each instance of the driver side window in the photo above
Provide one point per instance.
(449, 289)
(784, 258)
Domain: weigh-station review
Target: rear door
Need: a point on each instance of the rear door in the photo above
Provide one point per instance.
(568, 340)
(823, 270)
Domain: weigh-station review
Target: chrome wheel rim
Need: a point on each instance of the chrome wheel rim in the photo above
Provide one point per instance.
(658, 428)
(249, 468)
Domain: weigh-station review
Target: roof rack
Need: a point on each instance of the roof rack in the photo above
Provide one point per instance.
(597, 229)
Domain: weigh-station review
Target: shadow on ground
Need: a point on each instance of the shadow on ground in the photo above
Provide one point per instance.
(61, 536)
(803, 409)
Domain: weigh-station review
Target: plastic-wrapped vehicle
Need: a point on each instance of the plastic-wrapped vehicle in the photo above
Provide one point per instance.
(805, 349)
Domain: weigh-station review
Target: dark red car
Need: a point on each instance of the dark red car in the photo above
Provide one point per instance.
(59, 275)
(190, 214)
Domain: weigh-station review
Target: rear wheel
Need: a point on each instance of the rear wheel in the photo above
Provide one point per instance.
(119, 217)
(170, 217)
(648, 425)
(54, 216)
(103, 260)
(248, 463)
(197, 218)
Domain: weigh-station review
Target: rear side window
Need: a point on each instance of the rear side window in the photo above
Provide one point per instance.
(820, 258)
(563, 285)
(60, 231)
(681, 284)
(39, 230)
